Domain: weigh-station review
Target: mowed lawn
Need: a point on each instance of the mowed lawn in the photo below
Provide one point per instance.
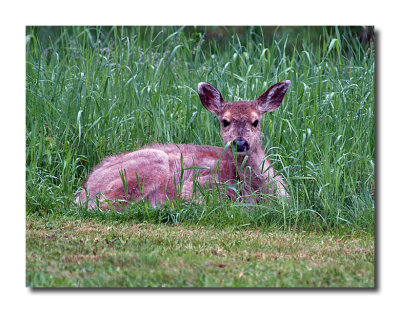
(66, 252)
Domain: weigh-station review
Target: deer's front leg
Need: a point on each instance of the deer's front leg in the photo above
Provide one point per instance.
(274, 185)
(191, 187)
(205, 183)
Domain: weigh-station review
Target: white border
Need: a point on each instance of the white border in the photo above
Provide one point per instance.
(15, 15)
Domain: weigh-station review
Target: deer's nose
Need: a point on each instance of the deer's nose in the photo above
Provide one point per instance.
(241, 144)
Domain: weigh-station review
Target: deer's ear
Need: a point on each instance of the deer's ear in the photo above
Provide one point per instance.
(210, 97)
(271, 99)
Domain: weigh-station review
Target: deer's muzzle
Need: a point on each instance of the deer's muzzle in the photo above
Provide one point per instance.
(241, 144)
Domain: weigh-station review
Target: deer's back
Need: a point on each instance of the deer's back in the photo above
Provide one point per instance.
(183, 161)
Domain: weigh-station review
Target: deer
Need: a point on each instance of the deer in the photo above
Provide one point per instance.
(160, 172)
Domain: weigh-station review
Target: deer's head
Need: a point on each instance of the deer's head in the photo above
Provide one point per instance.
(240, 120)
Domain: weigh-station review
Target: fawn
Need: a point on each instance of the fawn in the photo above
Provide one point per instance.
(168, 171)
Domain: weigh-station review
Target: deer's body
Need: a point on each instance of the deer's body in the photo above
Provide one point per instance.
(155, 172)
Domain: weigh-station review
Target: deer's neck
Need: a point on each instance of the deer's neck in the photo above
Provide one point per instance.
(254, 160)
(256, 168)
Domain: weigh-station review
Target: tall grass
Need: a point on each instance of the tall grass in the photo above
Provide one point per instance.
(96, 91)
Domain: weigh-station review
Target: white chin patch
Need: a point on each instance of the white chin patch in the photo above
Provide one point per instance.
(242, 153)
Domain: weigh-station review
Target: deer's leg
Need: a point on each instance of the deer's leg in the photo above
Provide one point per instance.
(280, 188)
(189, 187)
(272, 184)
(204, 182)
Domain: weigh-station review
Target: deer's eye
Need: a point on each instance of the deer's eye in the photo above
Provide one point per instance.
(225, 123)
(255, 123)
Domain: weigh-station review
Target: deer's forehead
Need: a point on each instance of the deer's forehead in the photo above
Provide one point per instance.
(242, 111)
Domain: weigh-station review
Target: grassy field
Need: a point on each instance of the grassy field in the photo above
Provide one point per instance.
(94, 253)
(96, 91)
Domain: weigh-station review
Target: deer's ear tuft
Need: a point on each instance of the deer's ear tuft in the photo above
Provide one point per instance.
(210, 97)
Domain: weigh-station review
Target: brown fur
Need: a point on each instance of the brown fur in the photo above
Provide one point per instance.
(154, 172)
